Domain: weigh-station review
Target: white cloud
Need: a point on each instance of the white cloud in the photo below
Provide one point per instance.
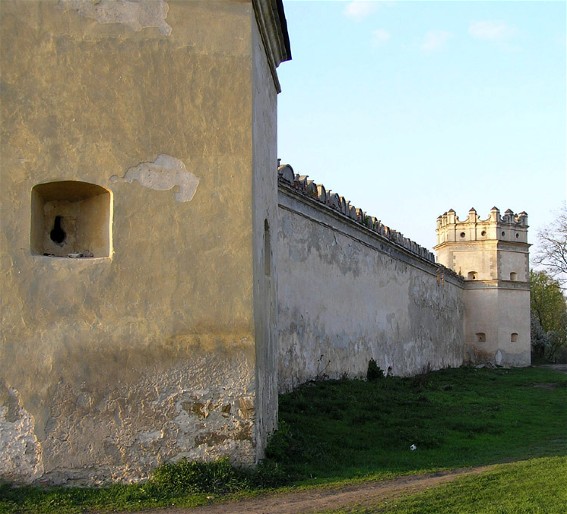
(380, 37)
(359, 9)
(490, 30)
(435, 40)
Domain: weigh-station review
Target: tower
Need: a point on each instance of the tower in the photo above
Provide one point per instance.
(493, 257)
(138, 325)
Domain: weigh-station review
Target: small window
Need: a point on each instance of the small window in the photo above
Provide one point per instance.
(462, 234)
(503, 234)
(483, 233)
(267, 250)
(481, 337)
(472, 275)
(517, 236)
(70, 219)
(514, 337)
(513, 276)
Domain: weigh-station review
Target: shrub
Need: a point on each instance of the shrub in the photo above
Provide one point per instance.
(279, 443)
(201, 477)
(374, 372)
(218, 477)
(269, 475)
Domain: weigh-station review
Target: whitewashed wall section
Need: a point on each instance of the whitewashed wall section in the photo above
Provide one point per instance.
(350, 289)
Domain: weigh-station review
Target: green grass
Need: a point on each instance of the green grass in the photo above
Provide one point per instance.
(341, 431)
(184, 484)
(456, 418)
(533, 486)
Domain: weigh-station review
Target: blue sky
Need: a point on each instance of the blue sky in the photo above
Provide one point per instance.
(410, 108)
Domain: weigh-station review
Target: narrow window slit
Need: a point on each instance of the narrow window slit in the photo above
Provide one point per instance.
(267, 250)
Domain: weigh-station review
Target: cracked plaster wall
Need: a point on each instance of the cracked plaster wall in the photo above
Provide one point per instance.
(147, 355)
(347, 295)
(21, 453)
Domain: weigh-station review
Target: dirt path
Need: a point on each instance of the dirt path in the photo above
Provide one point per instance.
(304, 502)
(557, 367)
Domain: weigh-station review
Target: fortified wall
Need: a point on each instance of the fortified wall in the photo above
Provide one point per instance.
(139, 326)
(351, 289)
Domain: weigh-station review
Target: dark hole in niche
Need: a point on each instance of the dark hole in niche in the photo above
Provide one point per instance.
(70, 219)
(57, 233)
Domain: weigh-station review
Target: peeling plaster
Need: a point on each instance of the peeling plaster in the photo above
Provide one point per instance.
(21, 451)
(136, 14)
(164, 173)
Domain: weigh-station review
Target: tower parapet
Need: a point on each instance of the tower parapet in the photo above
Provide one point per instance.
(493, 257)
(509, 227)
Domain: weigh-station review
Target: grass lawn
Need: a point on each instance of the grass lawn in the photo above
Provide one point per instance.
(350, 430)
(533, 486)
(455, 418)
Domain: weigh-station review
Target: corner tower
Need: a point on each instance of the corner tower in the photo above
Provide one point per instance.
(493, 257)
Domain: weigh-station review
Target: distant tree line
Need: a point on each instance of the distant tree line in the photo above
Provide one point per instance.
(548, 302)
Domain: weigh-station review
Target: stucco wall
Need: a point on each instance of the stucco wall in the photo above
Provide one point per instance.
(112, 365)
(492, 315)
(265, 227)
(347, 295)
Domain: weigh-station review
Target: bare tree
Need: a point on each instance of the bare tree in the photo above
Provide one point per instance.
(552, 252)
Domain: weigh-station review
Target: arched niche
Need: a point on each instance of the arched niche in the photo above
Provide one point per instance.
(71, 219)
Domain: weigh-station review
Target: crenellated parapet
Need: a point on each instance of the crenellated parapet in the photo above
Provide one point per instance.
(509, 227)
(306, 187)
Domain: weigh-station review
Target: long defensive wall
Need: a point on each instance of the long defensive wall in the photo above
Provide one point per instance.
(350, 289)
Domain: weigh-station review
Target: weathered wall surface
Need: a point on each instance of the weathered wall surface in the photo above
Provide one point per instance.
(265, 227)
(114, 364)
(347, 295)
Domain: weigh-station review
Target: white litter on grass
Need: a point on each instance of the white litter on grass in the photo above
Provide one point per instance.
(413, 447)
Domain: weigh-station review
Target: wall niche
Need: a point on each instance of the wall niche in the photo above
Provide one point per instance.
(71, 219)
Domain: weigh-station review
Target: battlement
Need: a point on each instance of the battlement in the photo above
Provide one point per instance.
(319, 193)
(510, 227)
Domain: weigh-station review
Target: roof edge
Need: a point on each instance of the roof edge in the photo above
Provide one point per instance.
(272, 24)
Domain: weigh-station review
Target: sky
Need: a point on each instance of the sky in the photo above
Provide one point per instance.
(411, 108)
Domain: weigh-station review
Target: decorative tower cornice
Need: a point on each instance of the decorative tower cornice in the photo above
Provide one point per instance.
(511, 228)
